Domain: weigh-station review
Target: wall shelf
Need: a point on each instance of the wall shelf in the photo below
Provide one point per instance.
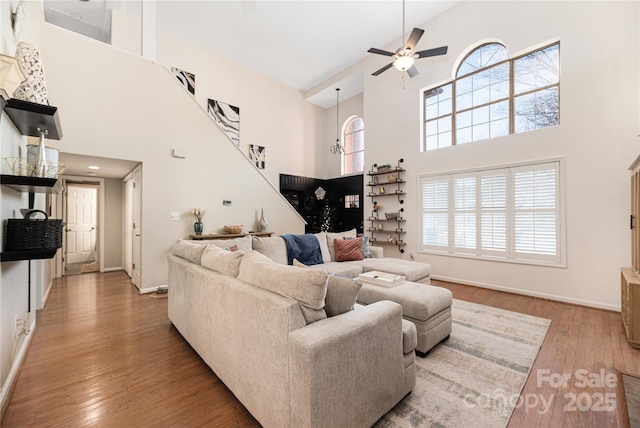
(31, 184)
(388, 177)
(30, 118)
(10, 256)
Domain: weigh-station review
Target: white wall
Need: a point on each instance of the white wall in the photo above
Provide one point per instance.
(113, 104)
(597, 136)
(272, 114)
(14, 275)
(113, 224)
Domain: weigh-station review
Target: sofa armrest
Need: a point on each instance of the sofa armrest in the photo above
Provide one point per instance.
(378, 252)
(347, 370)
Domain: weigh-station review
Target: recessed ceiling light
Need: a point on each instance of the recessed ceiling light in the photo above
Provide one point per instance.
(94, 167)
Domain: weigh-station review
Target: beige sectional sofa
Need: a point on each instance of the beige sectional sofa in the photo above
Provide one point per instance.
(286, 341)
(275, 248)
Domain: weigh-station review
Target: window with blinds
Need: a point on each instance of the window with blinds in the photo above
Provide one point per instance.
(512, 213)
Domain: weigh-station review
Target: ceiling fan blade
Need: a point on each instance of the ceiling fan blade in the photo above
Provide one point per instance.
(416, 33)
(380, 52)
(412, 71)
(432, 52)
(382, 70)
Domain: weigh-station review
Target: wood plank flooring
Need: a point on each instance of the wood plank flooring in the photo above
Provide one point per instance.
(102, 355)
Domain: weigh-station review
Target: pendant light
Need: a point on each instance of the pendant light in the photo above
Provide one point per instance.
(337, 147)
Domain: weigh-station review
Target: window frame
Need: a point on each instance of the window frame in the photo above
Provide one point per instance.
(510, 98)
(344, 154)
(509, 255)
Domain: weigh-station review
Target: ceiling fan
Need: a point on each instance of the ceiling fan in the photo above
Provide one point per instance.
(404, 57)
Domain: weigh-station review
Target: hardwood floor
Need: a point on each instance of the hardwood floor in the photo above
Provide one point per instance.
(102, 355)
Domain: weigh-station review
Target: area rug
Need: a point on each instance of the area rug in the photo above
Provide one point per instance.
(632, 397)
(474, 378)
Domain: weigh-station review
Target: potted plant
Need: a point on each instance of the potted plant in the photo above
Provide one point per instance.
(383, 168)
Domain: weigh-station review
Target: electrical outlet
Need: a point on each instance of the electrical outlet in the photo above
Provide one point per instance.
(175, 215)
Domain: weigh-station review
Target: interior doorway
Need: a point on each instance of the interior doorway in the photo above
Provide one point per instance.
(81, 228)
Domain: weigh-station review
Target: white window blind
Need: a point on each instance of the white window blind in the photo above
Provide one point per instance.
(435, 213)
(511, 213)
(536, 211)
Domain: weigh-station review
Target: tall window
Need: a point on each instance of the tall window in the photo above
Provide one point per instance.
(493, 96)
(353, 157)
(512, 213)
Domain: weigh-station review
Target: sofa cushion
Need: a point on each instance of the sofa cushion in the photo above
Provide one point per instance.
(307, 286)
(243, 244)
(324, 247)
(346, 270)
(331, 236)
(188, 250)
(221, 260)
(273, 247)
(348, 249)
(366, 252)
(341, 293)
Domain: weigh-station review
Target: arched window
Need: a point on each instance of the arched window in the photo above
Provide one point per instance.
(492, 96)
(353, 137)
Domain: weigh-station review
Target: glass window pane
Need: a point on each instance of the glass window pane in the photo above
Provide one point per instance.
(480, 132)
(480, 115)
(444, 140)
(463, 119)
(463, 136)
(464, 101)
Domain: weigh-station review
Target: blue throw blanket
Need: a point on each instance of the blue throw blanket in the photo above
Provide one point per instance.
(304, 248)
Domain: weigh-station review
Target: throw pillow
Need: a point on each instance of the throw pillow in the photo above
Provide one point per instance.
(324, 247)
(273, 247)
(366, 252)
(222, 261)
(244, 243)
(307, 286)
(188, 250)
(348, 249)
(331, 237)
(341, 293)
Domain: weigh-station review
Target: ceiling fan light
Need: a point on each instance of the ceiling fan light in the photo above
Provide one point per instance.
(403, 63)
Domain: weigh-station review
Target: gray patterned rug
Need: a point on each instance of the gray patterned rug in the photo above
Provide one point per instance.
(474, 378)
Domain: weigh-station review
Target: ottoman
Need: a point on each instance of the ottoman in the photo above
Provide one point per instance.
(427, 306)
(410, 269)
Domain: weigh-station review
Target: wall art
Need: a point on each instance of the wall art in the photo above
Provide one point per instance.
(257, 155)
(227, 117)
(187, 79)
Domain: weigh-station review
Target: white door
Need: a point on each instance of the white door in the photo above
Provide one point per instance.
(137, 226)
(82, 208)
(128, 225)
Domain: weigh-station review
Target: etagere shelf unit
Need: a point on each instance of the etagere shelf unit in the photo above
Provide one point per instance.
(386, 182)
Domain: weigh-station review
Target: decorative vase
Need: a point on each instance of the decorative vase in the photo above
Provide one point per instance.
(262, 223)
(198, 227)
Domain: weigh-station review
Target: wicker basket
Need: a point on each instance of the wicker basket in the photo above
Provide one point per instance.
(233, 229)
(391, 216)
(33, 234)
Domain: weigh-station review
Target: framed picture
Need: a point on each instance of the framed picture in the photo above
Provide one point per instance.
(227, 117)
(187, 79)
(257, 155)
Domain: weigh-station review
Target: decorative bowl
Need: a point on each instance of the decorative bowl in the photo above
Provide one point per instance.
(233, 229)
(391, 216)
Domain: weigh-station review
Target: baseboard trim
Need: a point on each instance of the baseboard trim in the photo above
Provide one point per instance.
(530, 293)
(112, 269)
(148, 290)
(12, 377)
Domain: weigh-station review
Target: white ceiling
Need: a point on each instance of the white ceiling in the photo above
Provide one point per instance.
(301, 43)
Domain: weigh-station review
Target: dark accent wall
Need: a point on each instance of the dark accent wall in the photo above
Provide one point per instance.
(300, 192)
